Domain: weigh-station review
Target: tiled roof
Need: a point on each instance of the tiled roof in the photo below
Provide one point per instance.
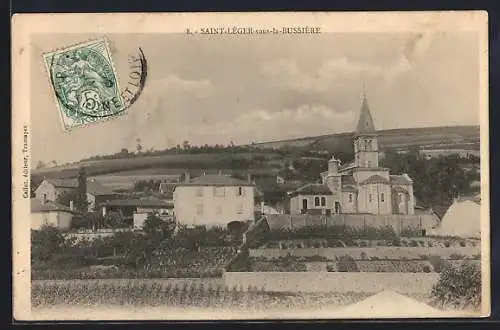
(63, 183)
(146, 202)
(39, 206)
(216, 180)
(313, 189)
(375, 179)
(399, 179)
(93, 187)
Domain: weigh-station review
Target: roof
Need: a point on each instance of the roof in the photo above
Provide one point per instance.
(216, 180)
(347, 179)
(365, 122)
(399, 189)
(39, 206)
(399, 179)
(93, 187)
(375, 179)
(146, 202)
(63, 183)
(313, 189)
(349, 189)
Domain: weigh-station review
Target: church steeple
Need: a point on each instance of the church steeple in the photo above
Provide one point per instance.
(365, 122)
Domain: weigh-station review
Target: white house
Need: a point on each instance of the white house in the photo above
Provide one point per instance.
(50, 213)
(50, 189)
(213, 200)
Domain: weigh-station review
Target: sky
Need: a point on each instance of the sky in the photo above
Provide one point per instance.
(217, 89)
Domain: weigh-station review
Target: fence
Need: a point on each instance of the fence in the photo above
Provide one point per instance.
(396, 221)
(385, 252)
(406, 283)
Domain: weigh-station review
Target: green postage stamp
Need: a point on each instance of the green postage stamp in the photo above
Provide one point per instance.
(85, 83)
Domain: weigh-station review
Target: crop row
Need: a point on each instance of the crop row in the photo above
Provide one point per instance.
(94, 293)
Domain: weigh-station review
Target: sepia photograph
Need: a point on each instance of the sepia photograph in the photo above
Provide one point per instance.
(250, 166)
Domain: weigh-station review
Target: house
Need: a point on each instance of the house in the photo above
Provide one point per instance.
(51, 189)
(462, 219)
(50, 213)
(135, 211)
(214, 200)
(361, 186)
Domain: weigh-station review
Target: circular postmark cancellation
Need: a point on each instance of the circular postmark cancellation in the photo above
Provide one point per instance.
(86, 85)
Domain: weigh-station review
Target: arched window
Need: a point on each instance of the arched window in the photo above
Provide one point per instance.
(316, 201)
(323, 201)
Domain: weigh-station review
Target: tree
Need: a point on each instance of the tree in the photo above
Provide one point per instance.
(139, 146)
(154, 225)
(46, 242)
(81, 203)
(114, 220)
(185, 145)
(459, 286)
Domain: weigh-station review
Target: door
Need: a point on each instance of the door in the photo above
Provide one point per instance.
(304, 206)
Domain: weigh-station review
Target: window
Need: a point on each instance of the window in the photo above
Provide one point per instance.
(199, 192)
(219, 209)
(350, 198)
(199, 209)
(369, 163)
(45, 198)
(316, 201)
(370, 198)
(323, 201)
(219, 191)
(240, 191)
(370, 145)
(382, 197)
(239, 209)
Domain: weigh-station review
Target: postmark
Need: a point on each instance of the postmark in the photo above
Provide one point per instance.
(86, 85)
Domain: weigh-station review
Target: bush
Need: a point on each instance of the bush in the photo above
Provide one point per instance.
(437, 263)
(447, 244)
(427, 269)
(413, 243)
(462, 243)
(459, 286)
(347, 264)
(429, 244)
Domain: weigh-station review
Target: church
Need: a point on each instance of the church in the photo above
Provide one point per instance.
(359, 187)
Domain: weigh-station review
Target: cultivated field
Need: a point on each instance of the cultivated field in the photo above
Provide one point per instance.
(178, 293)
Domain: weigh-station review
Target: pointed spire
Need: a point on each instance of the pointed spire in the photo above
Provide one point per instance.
(365, 122)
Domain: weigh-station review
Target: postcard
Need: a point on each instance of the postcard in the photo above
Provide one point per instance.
(250, 166)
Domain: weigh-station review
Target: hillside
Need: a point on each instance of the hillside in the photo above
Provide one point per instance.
(453, 137)
(266, 160)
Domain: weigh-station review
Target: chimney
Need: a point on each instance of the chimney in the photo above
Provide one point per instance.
(187, 177)
(71, 206)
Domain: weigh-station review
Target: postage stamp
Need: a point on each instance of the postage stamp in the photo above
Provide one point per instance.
(273, 166)
(85, 83)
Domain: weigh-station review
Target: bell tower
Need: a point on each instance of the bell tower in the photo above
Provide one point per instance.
(366, 139)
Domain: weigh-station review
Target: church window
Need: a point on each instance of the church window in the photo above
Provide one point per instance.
(382, 197)
(370, 198)
(316, 201)
(323, 201)
(350, 198)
